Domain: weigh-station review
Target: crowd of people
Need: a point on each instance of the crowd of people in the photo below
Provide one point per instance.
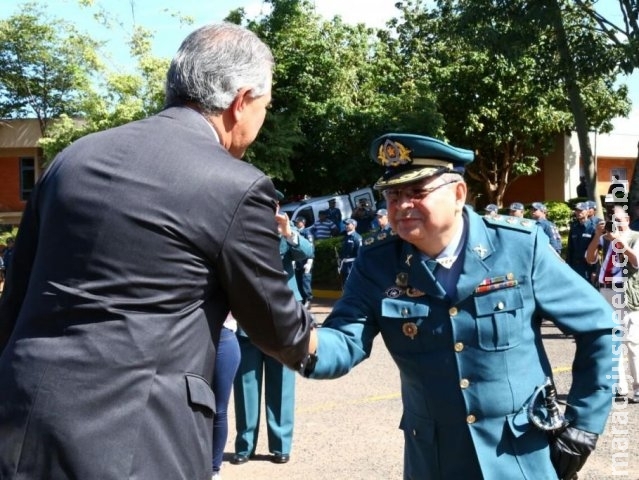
(108, 372)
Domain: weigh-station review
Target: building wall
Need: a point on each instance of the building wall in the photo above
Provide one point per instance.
(10, 185)
(547, 184)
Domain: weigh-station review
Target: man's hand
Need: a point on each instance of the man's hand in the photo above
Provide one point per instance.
(569, 451)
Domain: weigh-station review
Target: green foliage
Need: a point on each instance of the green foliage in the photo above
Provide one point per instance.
(46, 66)
(560, 213)
(325, 274)
(10, 233)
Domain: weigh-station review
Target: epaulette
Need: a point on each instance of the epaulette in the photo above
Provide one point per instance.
(516, 223)
(380, 238)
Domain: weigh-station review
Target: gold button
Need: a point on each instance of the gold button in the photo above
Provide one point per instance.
(459, 346)
(463, 383)
(471, 419)
(452, 311)
(404, 312)
(500, 305)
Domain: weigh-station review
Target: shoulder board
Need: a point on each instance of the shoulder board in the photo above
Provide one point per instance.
(515, 223)
(377, 239)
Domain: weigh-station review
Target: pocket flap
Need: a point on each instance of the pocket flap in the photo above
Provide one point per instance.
(200, 392)
(421, 428)
(394, 308)
(505, 300)
(518, 423)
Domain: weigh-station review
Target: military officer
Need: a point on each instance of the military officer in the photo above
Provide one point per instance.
(459, 299)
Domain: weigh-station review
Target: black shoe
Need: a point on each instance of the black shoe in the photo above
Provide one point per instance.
(239, 459)
(280, 458)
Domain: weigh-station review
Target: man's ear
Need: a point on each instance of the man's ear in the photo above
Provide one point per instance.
(239, 102)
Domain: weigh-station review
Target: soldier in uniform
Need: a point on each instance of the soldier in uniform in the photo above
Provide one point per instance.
(516, 209)
(459, 299)
(579, 236)
(538, 212)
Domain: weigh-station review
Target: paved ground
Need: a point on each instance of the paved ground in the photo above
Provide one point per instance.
(347, 429)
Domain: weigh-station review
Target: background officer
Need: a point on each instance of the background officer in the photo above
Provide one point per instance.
(255, 366)
(516, 209)
(538, 212)
(350, 247)
(458, 299)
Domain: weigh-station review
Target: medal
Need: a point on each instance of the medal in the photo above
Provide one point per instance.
(410, 330)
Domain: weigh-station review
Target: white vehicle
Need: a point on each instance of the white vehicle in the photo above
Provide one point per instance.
(310, 208)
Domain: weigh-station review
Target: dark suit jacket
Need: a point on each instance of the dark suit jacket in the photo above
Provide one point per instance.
(133, 248)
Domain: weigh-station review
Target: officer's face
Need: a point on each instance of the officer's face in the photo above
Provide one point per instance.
(427, 213)
(581, 215)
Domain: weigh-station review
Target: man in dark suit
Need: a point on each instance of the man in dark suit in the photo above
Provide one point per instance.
(134, 246)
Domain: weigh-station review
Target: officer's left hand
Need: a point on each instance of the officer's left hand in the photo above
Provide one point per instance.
(569, 451)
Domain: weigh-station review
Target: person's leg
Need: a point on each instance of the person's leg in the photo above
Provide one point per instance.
(619, 366)
(247, 391)
(227, 359)
(299, 279)
(307, 290)
(279, 397)
(632, 342)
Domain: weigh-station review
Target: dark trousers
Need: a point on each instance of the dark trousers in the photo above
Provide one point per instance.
(227, 359)
(304, 284)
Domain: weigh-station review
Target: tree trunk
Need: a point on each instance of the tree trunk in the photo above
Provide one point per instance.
(576, 103)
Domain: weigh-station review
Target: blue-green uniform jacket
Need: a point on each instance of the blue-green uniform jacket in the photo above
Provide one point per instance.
(468, 366)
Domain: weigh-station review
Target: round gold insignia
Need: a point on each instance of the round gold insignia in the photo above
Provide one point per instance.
(410, 330)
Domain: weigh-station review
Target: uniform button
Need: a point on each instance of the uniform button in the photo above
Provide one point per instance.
(463, 383)
(414, 432)
(452, 311)
(500, 305)
(459, 346)
(471, 419)
(404, 312)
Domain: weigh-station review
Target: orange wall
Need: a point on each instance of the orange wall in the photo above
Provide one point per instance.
(604, 168)
(10, 185)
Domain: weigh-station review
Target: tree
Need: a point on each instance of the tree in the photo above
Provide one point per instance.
(124, 96)
(336, 88)
(46, 67)
(623, 34)
(498, 82)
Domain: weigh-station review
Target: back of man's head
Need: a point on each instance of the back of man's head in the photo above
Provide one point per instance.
(213, 63)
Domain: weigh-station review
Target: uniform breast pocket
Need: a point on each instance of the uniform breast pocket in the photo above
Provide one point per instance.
(499, 320)
(406, 327)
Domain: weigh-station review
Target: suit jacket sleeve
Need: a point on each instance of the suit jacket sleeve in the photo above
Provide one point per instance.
(252, 274)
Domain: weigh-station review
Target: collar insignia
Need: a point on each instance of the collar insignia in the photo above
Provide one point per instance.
(480, 250)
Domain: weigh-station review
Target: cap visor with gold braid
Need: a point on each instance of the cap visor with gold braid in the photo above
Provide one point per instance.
(409, 158)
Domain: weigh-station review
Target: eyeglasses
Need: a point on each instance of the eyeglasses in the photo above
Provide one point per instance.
(394, 195)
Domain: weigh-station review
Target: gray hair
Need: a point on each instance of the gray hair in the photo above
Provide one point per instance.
(213, 63)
